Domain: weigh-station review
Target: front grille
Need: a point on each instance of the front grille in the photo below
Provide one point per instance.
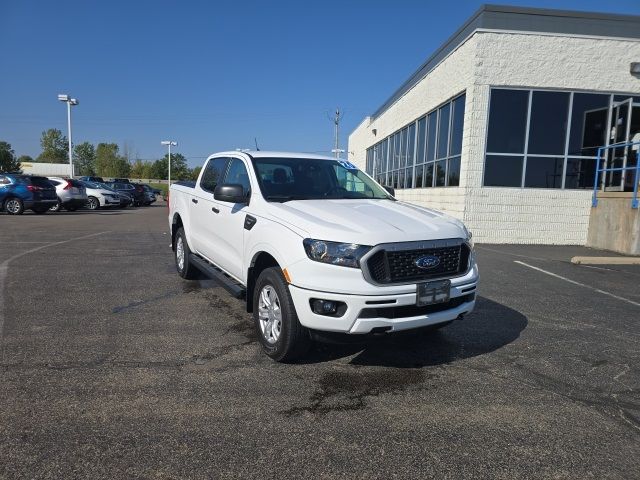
(413, 310)
(399, 266)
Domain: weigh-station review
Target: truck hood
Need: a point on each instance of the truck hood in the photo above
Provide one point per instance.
(365, 222)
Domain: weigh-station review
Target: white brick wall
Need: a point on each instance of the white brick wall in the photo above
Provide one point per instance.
(506, 215)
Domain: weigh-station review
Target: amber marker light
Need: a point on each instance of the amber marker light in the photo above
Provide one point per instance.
(287, 277)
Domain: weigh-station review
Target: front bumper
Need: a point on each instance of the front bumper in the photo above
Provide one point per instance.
(392, 312)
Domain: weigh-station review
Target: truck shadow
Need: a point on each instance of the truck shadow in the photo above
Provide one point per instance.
(490, 327)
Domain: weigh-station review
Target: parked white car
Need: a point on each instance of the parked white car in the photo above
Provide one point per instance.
(71, 194)
(100, 197)
(316, 245)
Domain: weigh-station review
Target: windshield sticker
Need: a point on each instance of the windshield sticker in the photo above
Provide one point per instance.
(347, 165)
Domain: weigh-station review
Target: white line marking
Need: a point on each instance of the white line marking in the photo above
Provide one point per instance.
(578, 283)
(4, 269)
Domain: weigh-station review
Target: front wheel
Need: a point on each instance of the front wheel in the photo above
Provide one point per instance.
(14, 206)
(93, 203)
(281, 335)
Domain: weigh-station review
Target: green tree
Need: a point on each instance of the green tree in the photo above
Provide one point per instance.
(25, 159)
(54, 147)
(179, 169)
(8, 161)
(109, 163)
(195, 172)
(141, 169)
(84, 159)
(159, 169)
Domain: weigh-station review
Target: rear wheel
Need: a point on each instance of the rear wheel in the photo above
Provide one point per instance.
(185, 268)
(40, 210)
(14, 206)
(93, 203)
(281, 335)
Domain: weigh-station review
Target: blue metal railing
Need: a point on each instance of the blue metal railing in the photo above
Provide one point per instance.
(635, 168)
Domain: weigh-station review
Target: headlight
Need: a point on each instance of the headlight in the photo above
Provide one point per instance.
(344, 254)
(469, 236)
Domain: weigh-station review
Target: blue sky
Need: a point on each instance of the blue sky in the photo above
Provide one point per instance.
(215, 74)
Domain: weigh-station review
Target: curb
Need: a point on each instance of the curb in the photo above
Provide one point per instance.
(606, 260)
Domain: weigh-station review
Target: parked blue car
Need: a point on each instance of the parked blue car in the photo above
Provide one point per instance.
(24, 192)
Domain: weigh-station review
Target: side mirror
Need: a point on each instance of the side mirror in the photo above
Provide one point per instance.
(230, 192)
(390, 190)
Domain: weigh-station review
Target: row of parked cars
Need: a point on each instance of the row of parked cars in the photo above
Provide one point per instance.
(20, 192)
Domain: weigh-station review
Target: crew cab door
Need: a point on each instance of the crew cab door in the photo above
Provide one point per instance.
(206, 224)
(232, 217)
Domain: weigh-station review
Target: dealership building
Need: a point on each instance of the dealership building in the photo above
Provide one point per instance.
(501, 126)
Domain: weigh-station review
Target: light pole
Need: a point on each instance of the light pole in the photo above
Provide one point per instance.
(169, 143)
(70, 102)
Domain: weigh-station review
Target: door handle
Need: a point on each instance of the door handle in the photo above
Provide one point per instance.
(194, 200)
(215, 210)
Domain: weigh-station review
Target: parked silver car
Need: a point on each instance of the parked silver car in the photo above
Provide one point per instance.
(72, 195)
(100, 197)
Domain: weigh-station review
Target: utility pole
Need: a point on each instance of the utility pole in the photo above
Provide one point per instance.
(336, 132)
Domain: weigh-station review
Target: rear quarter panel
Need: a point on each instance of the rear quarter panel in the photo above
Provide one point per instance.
(179, 199)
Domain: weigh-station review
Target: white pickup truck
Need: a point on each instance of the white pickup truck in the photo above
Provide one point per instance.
(316, 245)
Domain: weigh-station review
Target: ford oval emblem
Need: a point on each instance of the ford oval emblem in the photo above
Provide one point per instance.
(428, 261)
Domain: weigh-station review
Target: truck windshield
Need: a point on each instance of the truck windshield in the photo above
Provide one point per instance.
(284, 179)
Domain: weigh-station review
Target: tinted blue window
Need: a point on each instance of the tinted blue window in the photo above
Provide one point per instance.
(548, 123)
(443, 131)
(457, 125)
(507, 121)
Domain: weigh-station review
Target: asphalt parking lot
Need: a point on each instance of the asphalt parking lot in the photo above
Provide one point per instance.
(114, 367)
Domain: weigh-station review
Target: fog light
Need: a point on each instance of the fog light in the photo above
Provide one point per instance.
(324, 307)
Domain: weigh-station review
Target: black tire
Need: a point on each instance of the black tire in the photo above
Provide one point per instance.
(14, 206)
(93, 203)
(187, 271)
(293, 340)
(40, 210)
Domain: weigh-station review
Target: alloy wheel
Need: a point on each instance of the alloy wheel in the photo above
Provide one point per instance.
(12, 206)
(180, 254)
(270, 314)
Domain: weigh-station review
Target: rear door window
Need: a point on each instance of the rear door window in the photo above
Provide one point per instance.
(4, 180)
(213, 173)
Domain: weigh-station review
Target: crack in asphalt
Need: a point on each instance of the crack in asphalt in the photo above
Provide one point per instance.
(616, 409)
